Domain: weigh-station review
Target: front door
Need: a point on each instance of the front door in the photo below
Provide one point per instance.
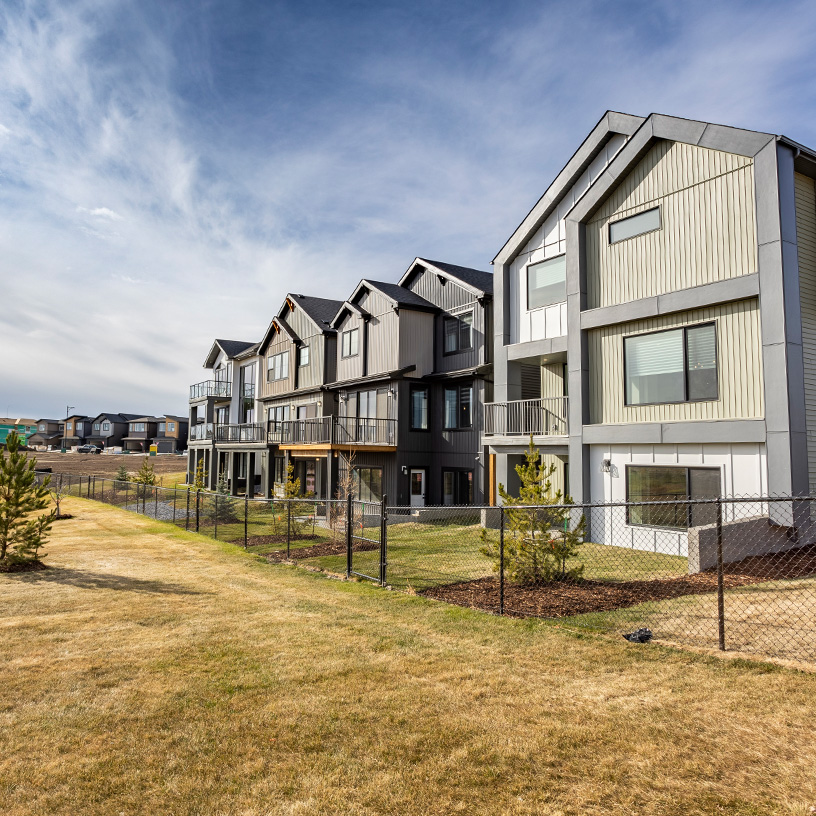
(417, 488)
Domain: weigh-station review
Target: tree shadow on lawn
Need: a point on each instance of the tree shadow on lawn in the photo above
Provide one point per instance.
(83, 579)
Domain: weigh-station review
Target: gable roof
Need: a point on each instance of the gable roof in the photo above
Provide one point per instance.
(658, 126)
(399, 296)
(116, 417)
(231, 348)
(475, 280)
(611, 123)
(321, 311)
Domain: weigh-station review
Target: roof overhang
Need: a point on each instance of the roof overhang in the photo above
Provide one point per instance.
(611, 123)
(422, 263)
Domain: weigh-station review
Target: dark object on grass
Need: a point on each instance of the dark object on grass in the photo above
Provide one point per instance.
(643, 635)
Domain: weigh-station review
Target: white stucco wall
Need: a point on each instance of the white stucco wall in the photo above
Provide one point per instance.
(549, 241)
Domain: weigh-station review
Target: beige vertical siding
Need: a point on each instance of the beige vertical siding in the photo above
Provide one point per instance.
(350, 367)
(805, 190)
(552, 380)
(557, 478)
(280, 342)
(707, 234)
(739, 360)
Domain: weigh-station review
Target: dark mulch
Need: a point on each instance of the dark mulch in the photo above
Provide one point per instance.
(23, 566)
(63, 517)
(262, 540)
(562, 599)
(329, 548)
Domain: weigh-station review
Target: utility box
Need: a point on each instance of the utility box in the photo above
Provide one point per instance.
(154, 449)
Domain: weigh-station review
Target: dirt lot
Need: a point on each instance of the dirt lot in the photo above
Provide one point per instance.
(106, 464)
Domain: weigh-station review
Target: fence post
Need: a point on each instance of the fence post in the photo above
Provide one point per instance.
(383, 537)
(174, 505)
(187, 515)
(88, 494)
(501, 560)
(127, 495)
(155, 503)
(720, 592)
(288, 526)
(215, 534)
(246, 520)
(198, 508)
(349, 533)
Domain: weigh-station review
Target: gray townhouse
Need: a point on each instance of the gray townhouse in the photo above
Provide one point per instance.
(655, 320)
(391, 380)
(108, 429)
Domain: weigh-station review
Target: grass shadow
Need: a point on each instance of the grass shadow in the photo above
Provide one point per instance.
(94, 580)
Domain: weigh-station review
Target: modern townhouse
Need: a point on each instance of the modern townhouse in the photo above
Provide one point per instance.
(171, 434)
(391, 380)
(48, 435)
(141, 432)
(655, 325)
(108, 429)
(77, 429)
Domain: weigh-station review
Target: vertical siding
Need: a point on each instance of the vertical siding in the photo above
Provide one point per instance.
(805, 191)
(448, 296)
(416, 346)
(279, 343)
(350, 367)
(557, 478)
(707, 234)
(552, 380)
(739, 359)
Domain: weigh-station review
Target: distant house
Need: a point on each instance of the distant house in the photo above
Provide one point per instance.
(49, 434)
(108, 429)
(77, 429)
(171, 434)
(140, 433)
(25, 428)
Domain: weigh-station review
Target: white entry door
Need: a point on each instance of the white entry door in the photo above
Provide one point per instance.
(417, 488)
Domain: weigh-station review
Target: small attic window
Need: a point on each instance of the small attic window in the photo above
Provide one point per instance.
(634, 225)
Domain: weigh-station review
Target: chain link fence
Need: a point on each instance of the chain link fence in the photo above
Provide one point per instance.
(735, 573)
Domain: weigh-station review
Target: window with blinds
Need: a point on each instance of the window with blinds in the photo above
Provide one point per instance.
(674, 365)
(547, 282)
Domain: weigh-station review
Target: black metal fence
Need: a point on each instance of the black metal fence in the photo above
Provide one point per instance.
(735, 573)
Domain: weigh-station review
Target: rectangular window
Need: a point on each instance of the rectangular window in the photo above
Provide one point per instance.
(368, 484)
(303, 356)
(419, 409)
(350, 343)
(278, 366)
(634, 225)
(279, 469)
(547, 282)
(106, 426)
(162, 426)
(171, 427)
(458, 407)
(671, 484)
(70, 426)
(677, 365)
(42, 427)
(96, 426)
(457, 487)
(458, 333)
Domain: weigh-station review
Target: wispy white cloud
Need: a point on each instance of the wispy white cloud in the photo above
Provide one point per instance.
(169, 171)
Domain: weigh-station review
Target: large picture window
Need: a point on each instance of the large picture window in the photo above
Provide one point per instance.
(547, 282)
(677, 365)
(368, 484)
(457, 487)
(458, 333)
(350, 343)
(278, 366)
(458, 403)
(419, 409)
(676, 485)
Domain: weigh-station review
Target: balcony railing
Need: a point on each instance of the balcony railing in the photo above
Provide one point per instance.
(246, 432)
(211, 388)
(201, 432)
(536, 417)
(328, 430)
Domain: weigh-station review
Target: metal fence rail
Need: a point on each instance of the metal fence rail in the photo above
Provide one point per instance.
(736, 573)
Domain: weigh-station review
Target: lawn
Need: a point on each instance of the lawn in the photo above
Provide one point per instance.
(155, 671)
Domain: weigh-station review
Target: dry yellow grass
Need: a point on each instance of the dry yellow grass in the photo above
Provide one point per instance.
(151, 671)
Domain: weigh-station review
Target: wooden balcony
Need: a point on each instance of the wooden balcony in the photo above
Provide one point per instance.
(536, 417)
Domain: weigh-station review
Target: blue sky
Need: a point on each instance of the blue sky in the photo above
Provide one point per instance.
(169, 170)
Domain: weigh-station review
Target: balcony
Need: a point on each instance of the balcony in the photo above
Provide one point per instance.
(199, 433)
(211, 388)
(246, 432)
(536, 417)
(334, 431)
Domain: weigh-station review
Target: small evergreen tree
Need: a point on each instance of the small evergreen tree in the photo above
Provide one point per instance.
(540, 541)
(291, 492)
(21, 536)
(146, 474)
(225, 503)
(122, 474)
(200, 478)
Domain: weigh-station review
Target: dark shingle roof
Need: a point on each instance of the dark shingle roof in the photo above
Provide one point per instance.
(234, 347)
(403, 296)
(321, 310)
(473, 277)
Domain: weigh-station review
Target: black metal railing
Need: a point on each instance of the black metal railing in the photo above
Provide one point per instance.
(244, 432)
(327, 430)
(211, 388)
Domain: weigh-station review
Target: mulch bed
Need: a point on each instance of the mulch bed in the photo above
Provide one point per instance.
(262, 540)
(329, 548)
(562, 599)
(23, 566)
